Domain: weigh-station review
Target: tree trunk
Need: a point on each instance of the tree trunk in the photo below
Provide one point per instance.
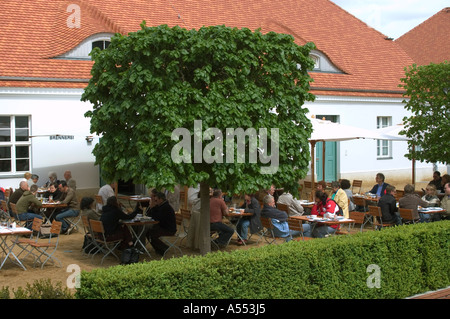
(205, 238)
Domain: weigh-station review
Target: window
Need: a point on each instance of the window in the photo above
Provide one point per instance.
(384, 148)
(14, 144)
(102, 44)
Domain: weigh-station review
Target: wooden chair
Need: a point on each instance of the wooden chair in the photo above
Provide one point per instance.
(178, 236)
(361, 202)
(356, 183)
(4, 211)
(98, 201)
(308, 189)
(267, 231)
(283, 207)
(48, 247)
(399, 194)
(407, 216)
(359, 217)
(295, 224)
(375, 212)
(15, 216)
(24, 243)
(90, 244)
(104, 245)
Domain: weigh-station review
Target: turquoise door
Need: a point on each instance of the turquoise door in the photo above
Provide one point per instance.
(330, 161)
(330, 156)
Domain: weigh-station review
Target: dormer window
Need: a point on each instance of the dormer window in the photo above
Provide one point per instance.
(322, 63)
(82, 50)
(102, 44)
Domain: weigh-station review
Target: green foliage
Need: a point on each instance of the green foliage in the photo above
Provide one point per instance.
(412, 259)
(428, 88)
(157, 79)
(40, 289)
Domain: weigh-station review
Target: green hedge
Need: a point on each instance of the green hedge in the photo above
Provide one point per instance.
(412, 259)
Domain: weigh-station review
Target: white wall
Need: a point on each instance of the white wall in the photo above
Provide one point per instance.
(54, 111)
(358, 158)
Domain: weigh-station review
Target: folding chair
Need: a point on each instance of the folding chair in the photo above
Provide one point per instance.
(48, 247)
(89, 242)
(295, 224)
(98, 201)
(356, 183)
(214, 235)
(267, 231)
(73, 222)
(4, 212)
(178, 236)
(15, 217)
(102, 243)
(359, 217)
(375, 212)
(283, 207)
(23, 243)
(308, 188)
(407, 216)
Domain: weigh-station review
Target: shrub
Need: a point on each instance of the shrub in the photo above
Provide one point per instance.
(40, 289)
(411, 259)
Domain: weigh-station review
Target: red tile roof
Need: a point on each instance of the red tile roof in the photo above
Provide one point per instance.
(34, 32)
(430, 40)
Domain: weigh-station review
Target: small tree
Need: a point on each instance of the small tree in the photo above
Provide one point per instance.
(428, 89)
(158, 94)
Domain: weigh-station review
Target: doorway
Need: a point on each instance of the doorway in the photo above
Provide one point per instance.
(330, 159)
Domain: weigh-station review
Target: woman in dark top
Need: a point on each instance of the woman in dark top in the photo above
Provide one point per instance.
(110, 217)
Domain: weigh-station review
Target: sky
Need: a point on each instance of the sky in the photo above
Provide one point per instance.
(393, 18)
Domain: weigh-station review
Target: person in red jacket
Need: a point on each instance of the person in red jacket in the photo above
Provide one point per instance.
(327, 208)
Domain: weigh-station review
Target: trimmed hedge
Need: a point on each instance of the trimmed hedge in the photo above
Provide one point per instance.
(412, 259)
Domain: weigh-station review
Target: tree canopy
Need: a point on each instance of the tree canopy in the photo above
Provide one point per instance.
(428, 89)
(150, 83)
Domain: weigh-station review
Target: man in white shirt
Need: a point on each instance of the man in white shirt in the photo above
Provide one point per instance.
(295, 209)
(105, 192)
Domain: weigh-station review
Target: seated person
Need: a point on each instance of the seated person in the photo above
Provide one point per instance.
(388, 206)
(26, 204)
(327, 208)
(17, 194)
(87, 208)
(294, 207)
(279, 220)
(345, 185)
(445, 202)
(379, 188)
(111, 215)
(251, 205)
(162, 212)
(431, 196)
(217, 210)
(411, 200)
(340, 197)
(437, 181)
(54, 192)
(68, 197)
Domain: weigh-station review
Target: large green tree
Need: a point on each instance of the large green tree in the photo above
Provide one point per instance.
(160, 89)
(427, 88)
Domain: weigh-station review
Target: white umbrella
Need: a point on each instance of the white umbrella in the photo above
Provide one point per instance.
(392, 133)
(324, 130)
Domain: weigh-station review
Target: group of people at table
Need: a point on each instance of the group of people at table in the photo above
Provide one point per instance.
(328, 203)
(29, 200)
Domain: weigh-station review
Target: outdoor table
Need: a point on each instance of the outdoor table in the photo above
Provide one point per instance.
(52, 207)
(306, 204)
(141, 222)
(239, 213)
(430, 210)
(5, 232)
(323, 221)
